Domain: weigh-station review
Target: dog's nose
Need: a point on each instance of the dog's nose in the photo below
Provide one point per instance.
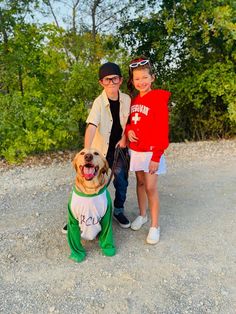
(88, 157)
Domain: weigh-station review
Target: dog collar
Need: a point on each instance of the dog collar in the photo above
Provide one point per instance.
(88, 195)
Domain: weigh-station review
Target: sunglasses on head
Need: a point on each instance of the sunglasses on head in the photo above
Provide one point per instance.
(138, 63)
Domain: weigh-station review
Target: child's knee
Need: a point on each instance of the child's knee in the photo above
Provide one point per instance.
(140, 182)
(150, 190)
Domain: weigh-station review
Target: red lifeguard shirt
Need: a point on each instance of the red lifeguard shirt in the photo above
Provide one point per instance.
(149, 120)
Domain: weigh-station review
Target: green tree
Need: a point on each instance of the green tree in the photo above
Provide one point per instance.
(37, 116)
(49, 74)
(12, 13)
(192, 45)
(48, 111)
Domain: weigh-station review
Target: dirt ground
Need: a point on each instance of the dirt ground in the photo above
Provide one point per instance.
(191, 270)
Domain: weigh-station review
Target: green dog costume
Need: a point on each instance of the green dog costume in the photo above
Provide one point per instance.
(89, 216)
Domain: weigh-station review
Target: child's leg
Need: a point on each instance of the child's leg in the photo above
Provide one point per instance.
(120, 183)
(74, 239)
(141, 193)
(153, 198)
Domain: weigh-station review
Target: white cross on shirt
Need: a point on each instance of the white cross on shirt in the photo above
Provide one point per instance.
(136, 118)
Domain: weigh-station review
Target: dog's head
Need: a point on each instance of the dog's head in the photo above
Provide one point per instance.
(91, 170)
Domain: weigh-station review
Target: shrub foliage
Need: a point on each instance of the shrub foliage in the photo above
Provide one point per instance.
(48, 75)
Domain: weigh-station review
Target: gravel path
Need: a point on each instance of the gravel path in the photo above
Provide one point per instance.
(191, 270)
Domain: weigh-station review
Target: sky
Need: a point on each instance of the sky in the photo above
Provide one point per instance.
(61, 11)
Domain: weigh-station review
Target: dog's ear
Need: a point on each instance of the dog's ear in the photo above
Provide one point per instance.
(106, 167)
(74, 162)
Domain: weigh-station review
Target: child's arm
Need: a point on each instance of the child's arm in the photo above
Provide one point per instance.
(93, 121)
(161, 129)
(89, 135)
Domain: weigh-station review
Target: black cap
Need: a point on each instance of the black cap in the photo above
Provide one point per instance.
(109, 68)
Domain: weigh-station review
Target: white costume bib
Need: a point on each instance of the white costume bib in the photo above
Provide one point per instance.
(89, 210)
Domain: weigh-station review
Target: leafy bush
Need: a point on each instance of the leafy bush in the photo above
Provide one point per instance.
(204, 104)
(27, 126)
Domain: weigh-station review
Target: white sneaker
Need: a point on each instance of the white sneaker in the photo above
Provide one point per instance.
(138, 222)
(153, 235)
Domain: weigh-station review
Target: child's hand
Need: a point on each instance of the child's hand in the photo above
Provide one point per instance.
(153, 167)
(132, 137)
(122, 143)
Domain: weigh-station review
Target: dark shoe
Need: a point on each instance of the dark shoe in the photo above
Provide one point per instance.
(64, 229)
(122, 220)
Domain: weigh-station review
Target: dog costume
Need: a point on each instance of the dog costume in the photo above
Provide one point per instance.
(90, 206)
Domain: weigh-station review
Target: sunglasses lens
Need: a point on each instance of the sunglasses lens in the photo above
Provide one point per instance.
(143, 62)
(133, 65)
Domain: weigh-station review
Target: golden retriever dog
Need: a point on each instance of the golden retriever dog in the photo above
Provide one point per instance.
(90, 206)
(91, 171)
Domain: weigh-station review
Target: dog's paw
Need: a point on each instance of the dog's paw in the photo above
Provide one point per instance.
(109, 251)
(77, 257)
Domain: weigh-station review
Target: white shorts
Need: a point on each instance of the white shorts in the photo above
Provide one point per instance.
(139, 161)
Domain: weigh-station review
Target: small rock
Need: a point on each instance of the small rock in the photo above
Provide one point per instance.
(224, 292)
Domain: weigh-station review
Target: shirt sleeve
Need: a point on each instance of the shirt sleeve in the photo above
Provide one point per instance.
(128, 127)
(161, 125)
(94, 116)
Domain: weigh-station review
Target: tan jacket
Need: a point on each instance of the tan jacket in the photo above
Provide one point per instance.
(100, 115)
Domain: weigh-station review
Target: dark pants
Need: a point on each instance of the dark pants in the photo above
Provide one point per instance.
(120, 181)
